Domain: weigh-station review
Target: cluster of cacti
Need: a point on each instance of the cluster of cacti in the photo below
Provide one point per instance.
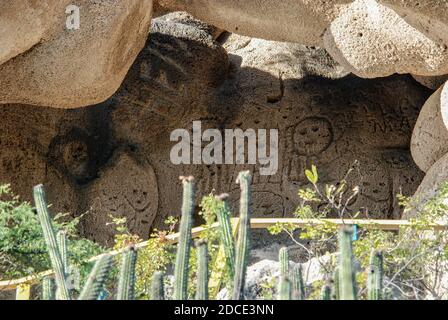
(341, 286)
(57, 249)
(344, 276)
(291, 284)
(52, 245)
(236, 259)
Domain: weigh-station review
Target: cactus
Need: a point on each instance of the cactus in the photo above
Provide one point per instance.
(61, 240)
(202, 278)
(283, 258)
(183, 247)
(50, 240)
(326, 291)
(97, 277)
(335, 287)
(242, 246)
(48, 288)
(298, 286)
(284, 289)
(347, 284)
(375, 276)
(126, 283)
(225, 228)
(157, 286)
(284, 283)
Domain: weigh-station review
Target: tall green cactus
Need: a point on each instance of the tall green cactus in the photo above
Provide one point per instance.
(183, 248)
(242, 246)
(284, 288)
(157, 286)
(126, 283)
(61, 239)
(326, 291)
(225, 229)
(375, 276)
(48, 288)
(283, 257)
(202, 275)
(97, 277)
(298, 286)
(50, 240)
(347, 284)
(335, 287)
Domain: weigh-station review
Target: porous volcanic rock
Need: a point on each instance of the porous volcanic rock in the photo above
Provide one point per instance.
(69, 68)
(430, 136)
(368, 37)
(114, 158)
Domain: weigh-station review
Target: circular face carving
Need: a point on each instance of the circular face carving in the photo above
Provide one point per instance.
(312, 136)
(76, 157)
(126, 188)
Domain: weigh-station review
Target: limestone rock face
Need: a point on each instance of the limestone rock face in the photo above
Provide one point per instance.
(434, 178)
(23, 24)
(70, 68)
(301, 21)
(430, 136)
(371, 38)
(114, 158)
(432, 82)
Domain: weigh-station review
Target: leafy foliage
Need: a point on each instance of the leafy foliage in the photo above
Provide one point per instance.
(156, 256)
(414, 258)
(22, 245)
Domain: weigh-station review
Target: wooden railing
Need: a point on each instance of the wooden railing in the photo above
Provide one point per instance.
(23, 285)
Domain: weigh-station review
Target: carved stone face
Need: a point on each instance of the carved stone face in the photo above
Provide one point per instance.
(312, 136)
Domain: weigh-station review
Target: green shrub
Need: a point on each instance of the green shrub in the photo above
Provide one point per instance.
(22, 246)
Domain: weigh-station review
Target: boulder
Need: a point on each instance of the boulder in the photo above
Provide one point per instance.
(24, 24)
(430, 135)
(368, 37)
(433, 83)
(75, 68)
(372, 41)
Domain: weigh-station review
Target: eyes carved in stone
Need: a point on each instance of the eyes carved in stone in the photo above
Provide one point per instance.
(313, 136)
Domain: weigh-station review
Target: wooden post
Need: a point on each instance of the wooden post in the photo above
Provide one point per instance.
(23, 291)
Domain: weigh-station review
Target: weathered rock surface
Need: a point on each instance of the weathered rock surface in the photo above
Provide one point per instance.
(23, 24)
(436, 176)
(430, 136)
(113, 158)
(433, 83)
(370, 38)
(69, 68)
